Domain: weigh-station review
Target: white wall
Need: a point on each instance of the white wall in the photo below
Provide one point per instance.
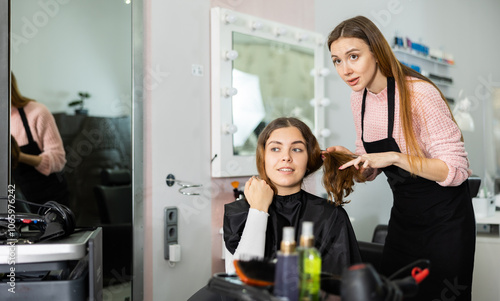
(177, 129)
(467, 29)
(62, 47)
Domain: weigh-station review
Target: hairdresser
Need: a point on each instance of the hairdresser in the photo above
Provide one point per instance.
(41, 156)
(405, 129)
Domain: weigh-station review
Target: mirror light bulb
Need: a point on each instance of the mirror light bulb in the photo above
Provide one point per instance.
(280, 31)
(325, 133)
(320, 102)
(256, 25)
(324, 102)
(230, 19)
(231, 55)
(230, 92)
(320, 41)
(229, 129)
(323, 72)
(302, 37)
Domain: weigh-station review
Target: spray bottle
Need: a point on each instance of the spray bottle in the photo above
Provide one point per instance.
(286, 278)
(309, 265)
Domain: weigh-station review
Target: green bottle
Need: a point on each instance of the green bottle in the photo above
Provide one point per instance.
(309, 265)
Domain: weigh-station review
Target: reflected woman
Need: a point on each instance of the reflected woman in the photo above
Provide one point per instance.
(41, 159)
(287, 152)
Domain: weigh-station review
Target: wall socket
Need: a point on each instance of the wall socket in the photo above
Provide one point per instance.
(171, 230)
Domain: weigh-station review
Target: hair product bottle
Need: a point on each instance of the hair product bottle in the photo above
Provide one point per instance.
(309, 265)
(286, 278)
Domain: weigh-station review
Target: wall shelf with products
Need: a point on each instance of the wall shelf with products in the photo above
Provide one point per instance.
(422, 57)
(435, 69)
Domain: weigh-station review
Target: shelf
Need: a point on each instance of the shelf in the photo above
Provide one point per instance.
(422, 57)
(444, 84)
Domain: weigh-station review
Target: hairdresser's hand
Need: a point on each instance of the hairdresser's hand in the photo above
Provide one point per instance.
(339, 149)
(258, 194)
(375, 160)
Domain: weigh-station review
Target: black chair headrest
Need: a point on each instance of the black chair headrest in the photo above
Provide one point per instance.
(112, 177)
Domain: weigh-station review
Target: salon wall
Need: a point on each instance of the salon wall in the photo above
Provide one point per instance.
(466, 29)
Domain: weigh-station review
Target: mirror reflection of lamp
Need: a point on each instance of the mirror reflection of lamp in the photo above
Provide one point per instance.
(462, 115)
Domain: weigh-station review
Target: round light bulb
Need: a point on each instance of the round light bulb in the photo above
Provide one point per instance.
(231, 55)
(301, 36)
(256, 25)
(229, 92)
(324, 102)
(229, 129)
(230, 19)
(325, 133)
(280, 31)
(321, 102)
(323, 72)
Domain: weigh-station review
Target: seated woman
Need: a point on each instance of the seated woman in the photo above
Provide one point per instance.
(287, 152)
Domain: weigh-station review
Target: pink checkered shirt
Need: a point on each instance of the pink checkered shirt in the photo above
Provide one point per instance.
(437, 134)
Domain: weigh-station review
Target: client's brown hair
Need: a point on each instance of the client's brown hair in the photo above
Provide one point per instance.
(338, 183)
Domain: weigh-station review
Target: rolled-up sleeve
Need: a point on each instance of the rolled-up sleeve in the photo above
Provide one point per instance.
(50, 143)
(438, 134)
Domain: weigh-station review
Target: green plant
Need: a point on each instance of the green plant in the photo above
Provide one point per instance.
(80, 102)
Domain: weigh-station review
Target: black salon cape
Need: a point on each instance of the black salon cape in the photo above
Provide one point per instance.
(334, 236)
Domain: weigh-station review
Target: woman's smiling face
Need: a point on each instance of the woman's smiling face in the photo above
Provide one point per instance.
(286, 159)
(356, 65)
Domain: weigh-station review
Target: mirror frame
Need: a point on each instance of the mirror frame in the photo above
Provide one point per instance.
(223, 23)
(137, 149)
(137, 131)
(4, 102)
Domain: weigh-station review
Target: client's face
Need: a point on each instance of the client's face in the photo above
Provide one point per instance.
(286, 159)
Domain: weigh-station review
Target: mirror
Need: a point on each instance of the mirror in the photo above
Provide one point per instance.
(60, 49)
(278, 85)
(261, 70)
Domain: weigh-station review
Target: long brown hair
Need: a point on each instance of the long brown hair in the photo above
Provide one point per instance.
(338, 183)
(362, 28)
(16, 98)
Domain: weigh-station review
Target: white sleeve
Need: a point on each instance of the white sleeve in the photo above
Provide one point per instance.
(253, 239)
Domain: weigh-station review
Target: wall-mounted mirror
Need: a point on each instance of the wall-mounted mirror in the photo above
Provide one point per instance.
(261, 70)
(62, 48)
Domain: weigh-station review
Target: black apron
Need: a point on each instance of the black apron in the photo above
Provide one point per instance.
(428, 221)
(36, 187)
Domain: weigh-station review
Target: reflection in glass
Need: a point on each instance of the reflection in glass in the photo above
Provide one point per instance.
(57, 52)
(273, 80)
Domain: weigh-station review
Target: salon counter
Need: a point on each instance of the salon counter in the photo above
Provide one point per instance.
(486, 281)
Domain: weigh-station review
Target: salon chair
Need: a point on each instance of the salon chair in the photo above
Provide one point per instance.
(371, 252)
(474, 184)
(114, 201)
